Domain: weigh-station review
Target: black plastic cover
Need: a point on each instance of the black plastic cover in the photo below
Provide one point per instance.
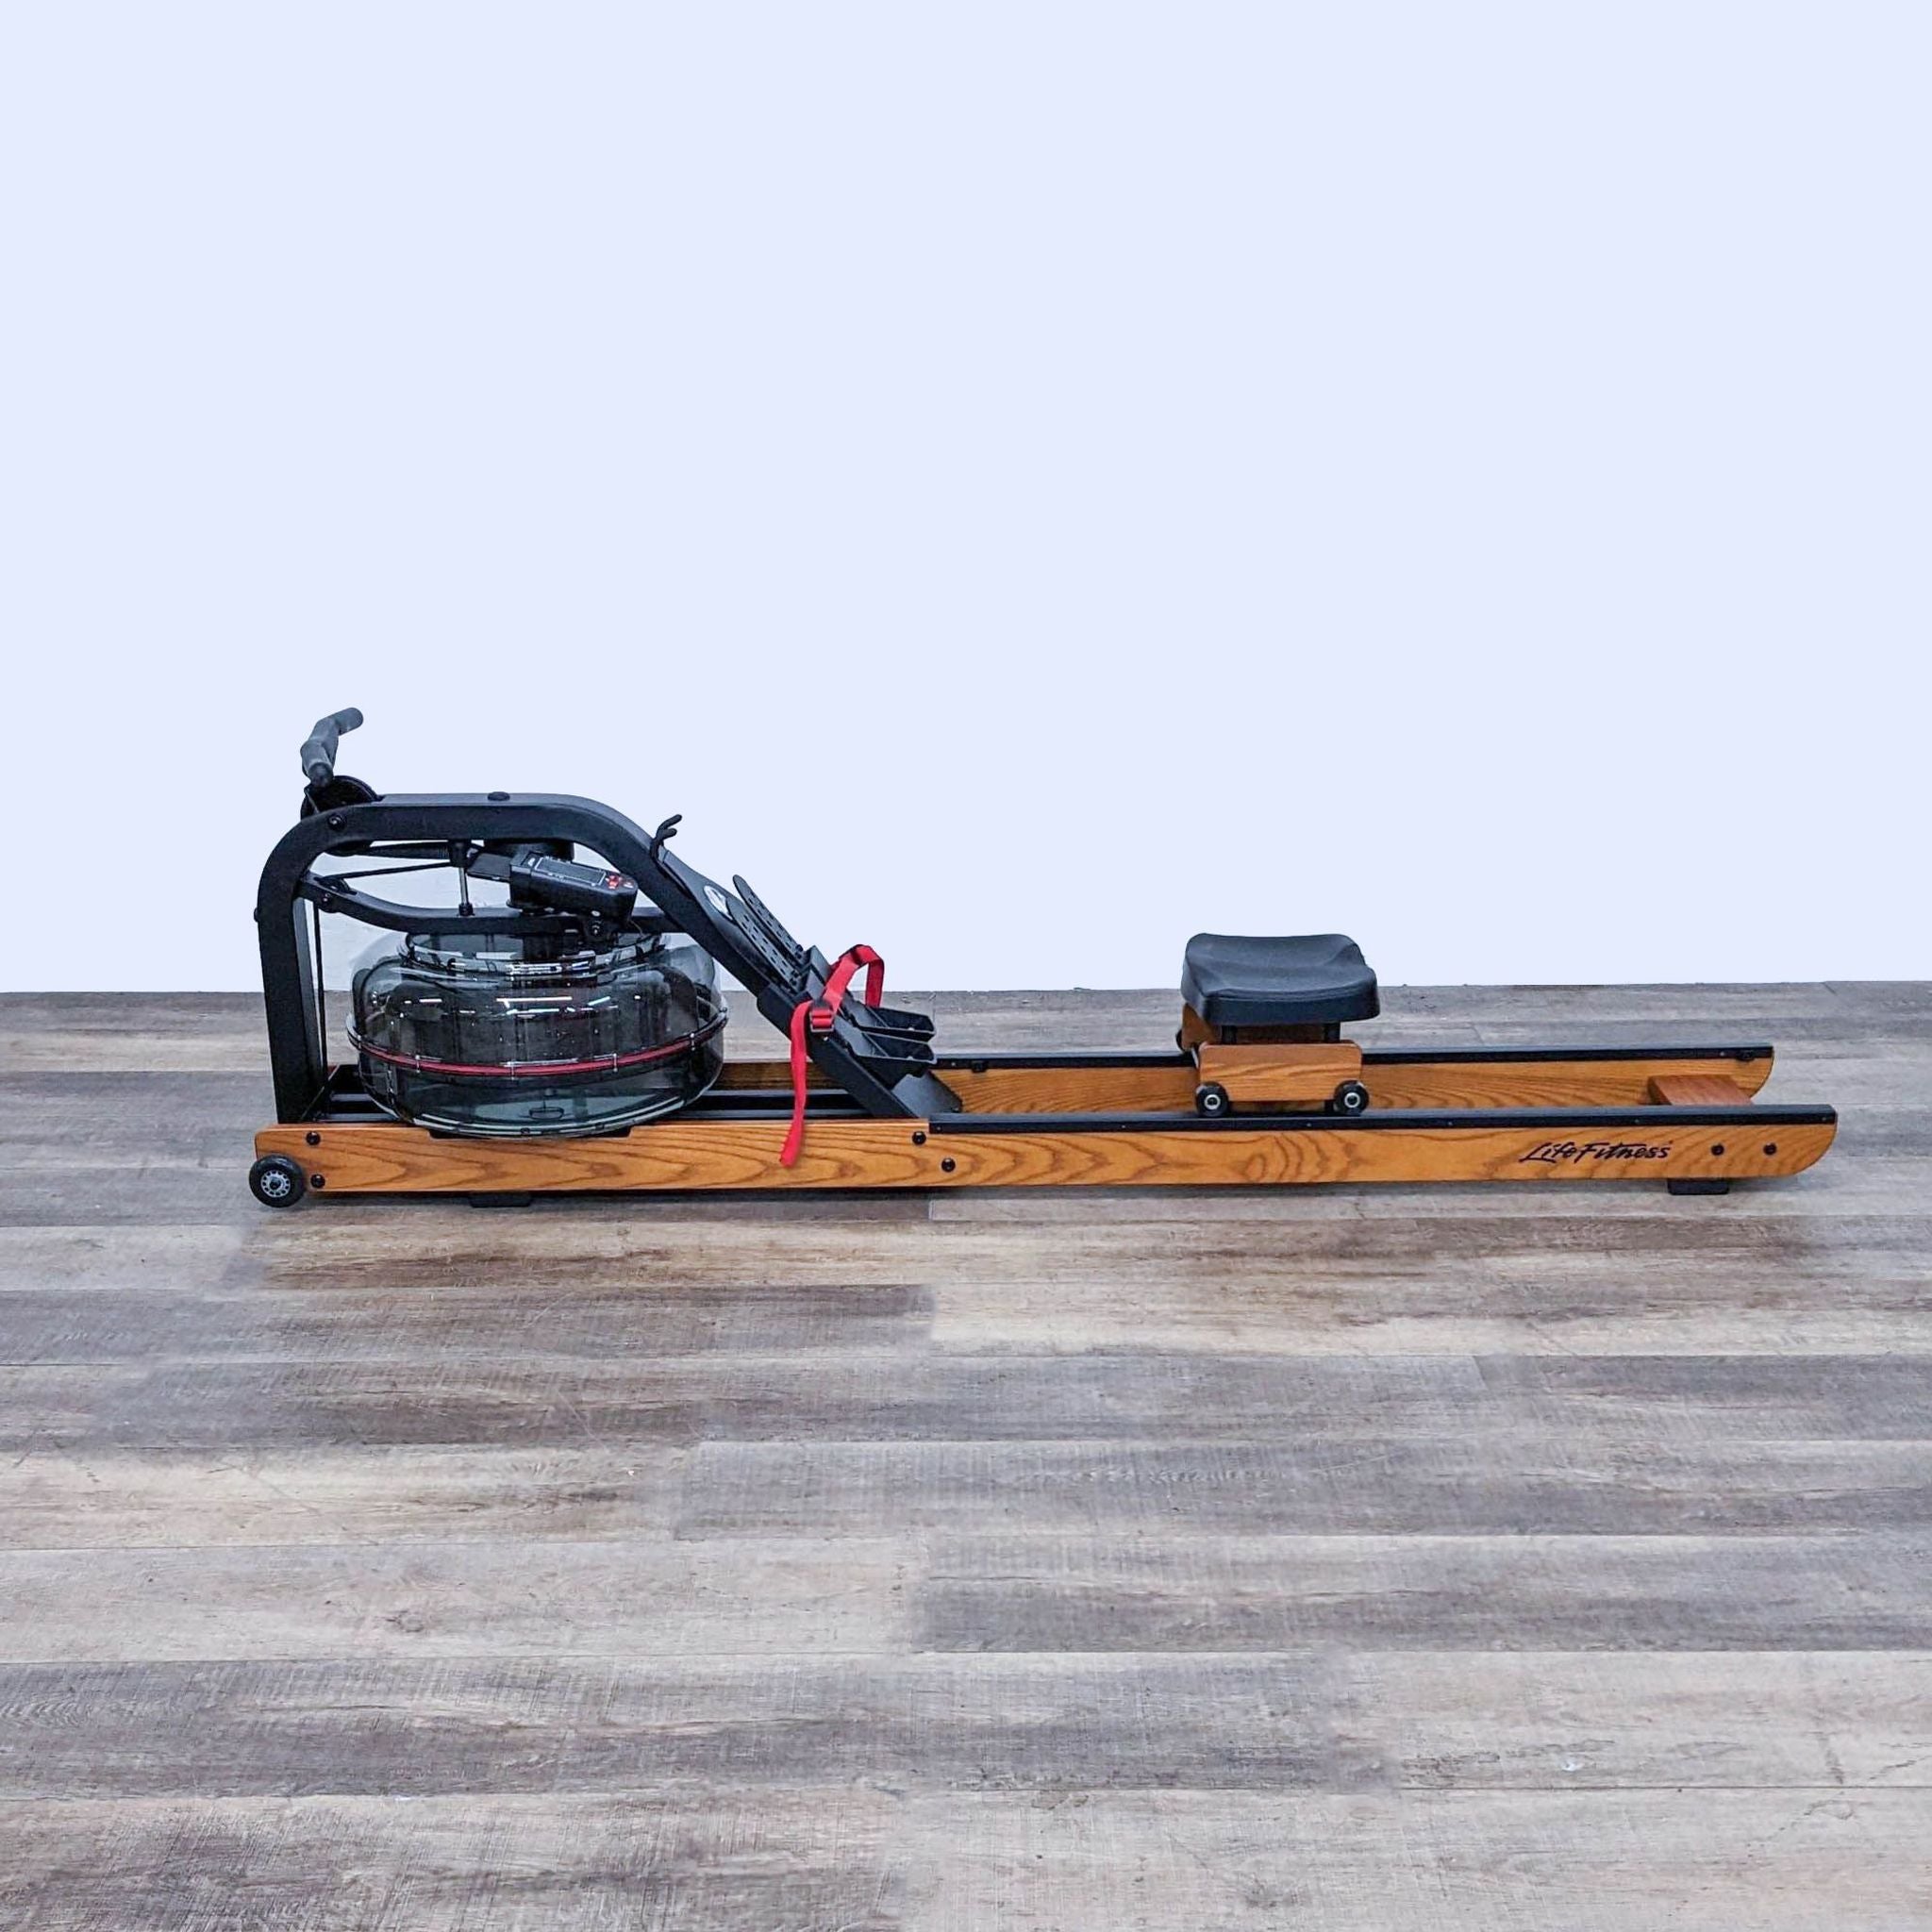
(1307, 980)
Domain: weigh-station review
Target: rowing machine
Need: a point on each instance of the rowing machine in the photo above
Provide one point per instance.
(567, 1036)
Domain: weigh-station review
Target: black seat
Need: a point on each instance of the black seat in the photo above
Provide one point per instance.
(1311, 980)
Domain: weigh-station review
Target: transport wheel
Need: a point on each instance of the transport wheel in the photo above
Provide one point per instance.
(1350, 1097)
(1211, 1101)
(277, 1181)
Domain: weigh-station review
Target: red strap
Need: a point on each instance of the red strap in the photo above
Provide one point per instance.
(800, 1060)
(821, 1015)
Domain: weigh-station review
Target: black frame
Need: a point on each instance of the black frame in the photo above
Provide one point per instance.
(880, 1057)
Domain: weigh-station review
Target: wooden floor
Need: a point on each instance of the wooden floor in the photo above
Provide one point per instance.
(1415, 1559)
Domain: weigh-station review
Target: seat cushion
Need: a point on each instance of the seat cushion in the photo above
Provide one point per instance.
(1311, 980)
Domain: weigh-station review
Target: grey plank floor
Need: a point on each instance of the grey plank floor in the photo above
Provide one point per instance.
(1416, 1558)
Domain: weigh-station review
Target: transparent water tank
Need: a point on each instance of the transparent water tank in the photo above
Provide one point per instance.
(483, 1033)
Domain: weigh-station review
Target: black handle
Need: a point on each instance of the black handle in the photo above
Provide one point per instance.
(319, 747)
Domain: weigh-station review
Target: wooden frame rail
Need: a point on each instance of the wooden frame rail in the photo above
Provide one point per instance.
(1681, 1114)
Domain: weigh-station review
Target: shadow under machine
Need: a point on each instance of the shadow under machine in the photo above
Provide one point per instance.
(568, 1037)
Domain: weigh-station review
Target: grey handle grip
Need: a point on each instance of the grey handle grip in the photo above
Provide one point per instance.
(319, 747)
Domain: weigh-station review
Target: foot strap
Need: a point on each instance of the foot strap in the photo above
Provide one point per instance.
(820, 1016)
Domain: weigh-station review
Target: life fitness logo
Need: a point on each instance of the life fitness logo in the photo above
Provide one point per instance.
(1573, 1152)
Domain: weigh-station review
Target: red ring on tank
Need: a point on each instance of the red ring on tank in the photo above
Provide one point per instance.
(535, 1070)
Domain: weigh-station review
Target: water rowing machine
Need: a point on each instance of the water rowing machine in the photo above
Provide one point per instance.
(560, 1029)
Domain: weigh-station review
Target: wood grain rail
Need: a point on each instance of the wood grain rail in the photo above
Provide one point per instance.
(1697, 1090)
(1164, 1086)
(1580, 1082)
(695, 1154)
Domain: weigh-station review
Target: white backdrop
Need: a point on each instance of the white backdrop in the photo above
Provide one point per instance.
(1025, 482)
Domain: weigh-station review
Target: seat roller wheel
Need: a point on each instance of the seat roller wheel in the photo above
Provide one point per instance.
(1350, 1097)
(1211, 1102)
